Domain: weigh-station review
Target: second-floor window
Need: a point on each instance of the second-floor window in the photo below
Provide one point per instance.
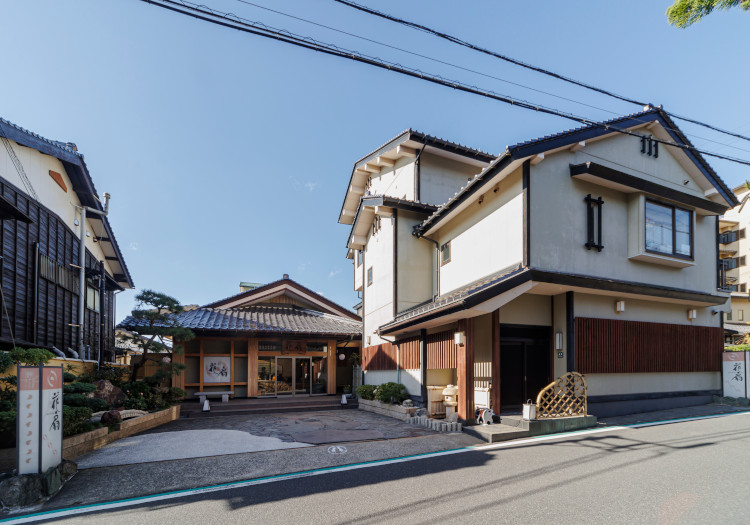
(359, 258)
(369, 276)
(445, 253)
(669, 230)
(92, 298)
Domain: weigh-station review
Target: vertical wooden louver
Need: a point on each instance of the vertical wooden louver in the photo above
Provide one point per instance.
(610, 346)
(442, 352)
(408, 353)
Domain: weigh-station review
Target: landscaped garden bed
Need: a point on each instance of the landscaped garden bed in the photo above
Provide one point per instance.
(386, 399)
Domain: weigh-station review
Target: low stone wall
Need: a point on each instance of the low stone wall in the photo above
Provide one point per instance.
(386, 409)
(438, 425)
(75, 446)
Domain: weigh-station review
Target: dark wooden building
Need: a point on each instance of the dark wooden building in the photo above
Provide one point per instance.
(44, 185)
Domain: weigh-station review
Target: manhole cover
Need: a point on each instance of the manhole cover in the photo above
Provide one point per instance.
(337, 450)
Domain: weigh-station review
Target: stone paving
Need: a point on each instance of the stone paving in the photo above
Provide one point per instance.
(238, 434)
(306, 427)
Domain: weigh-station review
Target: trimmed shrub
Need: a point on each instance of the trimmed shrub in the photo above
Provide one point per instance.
(79, 388)
(76, 420)
(31, 356)
(392, 393)
(366, 392)
(174, 395)
(136, 403)
(68, 377)
(737, 348)
(81, 400)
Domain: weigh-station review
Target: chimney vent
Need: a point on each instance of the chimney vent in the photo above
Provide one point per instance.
(286, 276)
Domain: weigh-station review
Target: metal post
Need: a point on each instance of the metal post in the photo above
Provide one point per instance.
(82, 283)
(102, 317)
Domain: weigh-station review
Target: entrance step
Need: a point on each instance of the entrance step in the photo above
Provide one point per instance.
(515, 427)
(261, 406)
(496, 433)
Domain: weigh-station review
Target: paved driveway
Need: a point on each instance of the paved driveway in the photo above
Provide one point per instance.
(218, 436)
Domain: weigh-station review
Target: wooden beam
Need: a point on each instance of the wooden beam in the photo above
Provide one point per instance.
(495, 368)
(332, 367)
(358, 240)
(252, 367)
(536, 160)
(362, 173)
(383, 211)
(579, 146)
(356, 189)
(382, 161)
(372, 168)
(403, 151)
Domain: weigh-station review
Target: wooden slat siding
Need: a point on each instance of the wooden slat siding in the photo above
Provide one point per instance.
(56, 306)
(379, 357)
(442, 352)
(408, 353)
(610, 346)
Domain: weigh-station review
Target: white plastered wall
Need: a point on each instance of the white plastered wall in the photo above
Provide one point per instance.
(441, 178)
(558, 218)
(37, 166)
(615, 384)
(485, 238)
(415, 264)
(396, 181)
(528, 309)
(378, 297)
(603, 307)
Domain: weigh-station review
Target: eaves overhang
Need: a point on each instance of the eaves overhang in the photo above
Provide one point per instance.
(407, 144)
(83, 186)
(379, 204)
(565, 139)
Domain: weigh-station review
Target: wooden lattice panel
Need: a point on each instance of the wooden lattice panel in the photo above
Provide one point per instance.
(564, 397)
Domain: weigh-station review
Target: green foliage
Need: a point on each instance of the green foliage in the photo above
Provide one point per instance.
(355, 359)
(68, 377)
(30, 356)
(79, 388)
(76, 420)
(81, 400)
(156, 317)
(136, 403)
(684, 13)
(391, 393)
(7, 428)
(737, 348)
(5, 362)
(366, 392)
(174, 395)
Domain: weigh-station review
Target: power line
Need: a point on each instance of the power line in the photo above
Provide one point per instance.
(517, 62)
(439, 61)
(229, 20)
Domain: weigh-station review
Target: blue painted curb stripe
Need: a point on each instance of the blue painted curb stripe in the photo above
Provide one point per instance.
(83, 509)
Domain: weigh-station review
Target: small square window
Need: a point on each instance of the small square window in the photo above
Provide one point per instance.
(369, 276)
(445, 253)
(729, 315)
(359, 258)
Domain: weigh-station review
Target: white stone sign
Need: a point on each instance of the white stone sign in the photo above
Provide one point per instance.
(734, 367)
(39, 418)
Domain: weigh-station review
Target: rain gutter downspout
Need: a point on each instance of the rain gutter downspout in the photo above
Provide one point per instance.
(418, 175)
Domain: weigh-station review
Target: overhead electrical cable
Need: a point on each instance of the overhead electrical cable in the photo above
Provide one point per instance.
(439, 61)
(520, 63)
(230, 20)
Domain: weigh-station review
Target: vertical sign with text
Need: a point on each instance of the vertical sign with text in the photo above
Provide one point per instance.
(27, 417)
(51, 429)
(39, 418)
(735, 374)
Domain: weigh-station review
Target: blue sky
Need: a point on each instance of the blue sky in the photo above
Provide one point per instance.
(227, 155)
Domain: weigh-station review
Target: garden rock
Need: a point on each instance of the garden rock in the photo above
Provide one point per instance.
(20, 491)
(67, 469)
(113, 417)
(51, 481)
(113, 395)
(408, 403)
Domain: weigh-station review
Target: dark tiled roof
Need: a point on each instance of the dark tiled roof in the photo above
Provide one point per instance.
(283, 319)
(455, 297)
(65, 146)
(531, 147)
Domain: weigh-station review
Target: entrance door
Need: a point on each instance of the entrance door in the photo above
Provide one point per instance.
(302, 376)
(524, 363)
(284, 376)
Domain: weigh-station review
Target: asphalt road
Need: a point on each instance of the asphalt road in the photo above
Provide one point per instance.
(687, 472)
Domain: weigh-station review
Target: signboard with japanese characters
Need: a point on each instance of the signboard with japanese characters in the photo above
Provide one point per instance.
(39, 418)
(216, 369)
(734, 366)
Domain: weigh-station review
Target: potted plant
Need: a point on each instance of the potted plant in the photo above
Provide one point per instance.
(347, 389)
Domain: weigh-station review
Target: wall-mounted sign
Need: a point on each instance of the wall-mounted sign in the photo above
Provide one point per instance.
(39, 418)
(216, 369)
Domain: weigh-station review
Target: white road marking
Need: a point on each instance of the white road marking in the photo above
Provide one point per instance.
(58, 514)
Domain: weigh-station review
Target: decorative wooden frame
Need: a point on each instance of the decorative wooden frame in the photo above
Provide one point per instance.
(564, 397)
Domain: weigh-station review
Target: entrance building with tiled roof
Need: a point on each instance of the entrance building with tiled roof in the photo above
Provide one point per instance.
(273, 340)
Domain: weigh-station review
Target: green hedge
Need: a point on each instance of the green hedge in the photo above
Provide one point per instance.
(737, 348)
(387, 392)
(366, 392)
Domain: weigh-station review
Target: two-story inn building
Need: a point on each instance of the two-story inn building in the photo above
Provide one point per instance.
(591, 250)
